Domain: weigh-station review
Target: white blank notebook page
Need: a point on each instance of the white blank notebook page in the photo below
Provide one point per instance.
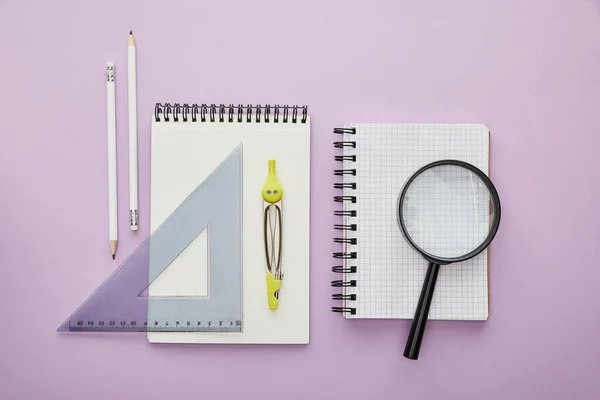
(390, 273)
(183, 155)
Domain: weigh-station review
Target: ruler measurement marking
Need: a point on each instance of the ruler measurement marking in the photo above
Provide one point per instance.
(157, 326)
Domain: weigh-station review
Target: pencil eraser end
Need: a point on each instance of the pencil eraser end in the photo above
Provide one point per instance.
(134, 228)
(110, 64)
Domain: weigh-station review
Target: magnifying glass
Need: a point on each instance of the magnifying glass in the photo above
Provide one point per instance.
(448, 211)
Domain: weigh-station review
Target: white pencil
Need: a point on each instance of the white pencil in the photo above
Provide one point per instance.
(112, 157)
(133, 163)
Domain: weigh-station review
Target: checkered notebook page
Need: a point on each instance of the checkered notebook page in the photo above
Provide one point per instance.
(389, 272)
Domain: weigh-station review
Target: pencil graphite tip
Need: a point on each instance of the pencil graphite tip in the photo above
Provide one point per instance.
(113, 256)
(131, 41)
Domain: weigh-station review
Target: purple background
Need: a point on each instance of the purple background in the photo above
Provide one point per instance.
(528, 69)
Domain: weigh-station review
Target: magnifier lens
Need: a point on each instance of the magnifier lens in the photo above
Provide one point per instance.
(447, 211)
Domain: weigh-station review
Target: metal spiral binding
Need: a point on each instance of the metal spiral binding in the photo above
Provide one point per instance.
(267, 114)
(338, 296)
(347, 227)
(347, 255)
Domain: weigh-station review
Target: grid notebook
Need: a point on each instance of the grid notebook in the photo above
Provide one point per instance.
(380, 275)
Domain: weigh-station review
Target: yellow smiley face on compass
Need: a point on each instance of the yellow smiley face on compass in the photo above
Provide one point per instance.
(272, 190)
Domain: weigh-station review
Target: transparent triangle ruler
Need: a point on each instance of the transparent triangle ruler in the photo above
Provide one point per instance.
(120, 304)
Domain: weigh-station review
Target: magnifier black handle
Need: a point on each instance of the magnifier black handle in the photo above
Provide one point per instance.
(417, 329)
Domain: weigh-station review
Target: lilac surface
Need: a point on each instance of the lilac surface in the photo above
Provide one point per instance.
(530, 70)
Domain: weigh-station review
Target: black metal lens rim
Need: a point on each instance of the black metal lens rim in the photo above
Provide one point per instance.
(495, 221)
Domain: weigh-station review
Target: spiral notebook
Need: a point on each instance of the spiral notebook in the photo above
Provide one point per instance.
(380, 274)
(190, 145)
